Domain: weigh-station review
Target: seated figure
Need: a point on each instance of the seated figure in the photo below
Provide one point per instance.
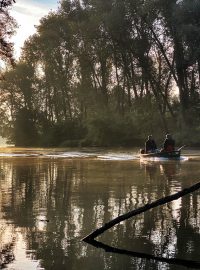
(150, 145)
(169, 144)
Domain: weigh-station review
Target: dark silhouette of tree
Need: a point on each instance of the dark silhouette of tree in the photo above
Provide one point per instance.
(105, 73)
(7, 26)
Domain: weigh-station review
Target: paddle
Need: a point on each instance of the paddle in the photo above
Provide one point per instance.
(179, 149)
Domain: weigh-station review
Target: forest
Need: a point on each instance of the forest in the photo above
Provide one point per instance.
(104, 73)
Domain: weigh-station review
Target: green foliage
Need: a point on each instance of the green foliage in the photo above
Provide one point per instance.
(25, 133)
(111, 129)
(68, 133)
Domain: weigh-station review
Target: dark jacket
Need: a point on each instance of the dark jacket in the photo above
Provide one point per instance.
(169, 145)
(150, 146)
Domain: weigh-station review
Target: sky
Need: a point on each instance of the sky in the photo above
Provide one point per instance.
(28, 13)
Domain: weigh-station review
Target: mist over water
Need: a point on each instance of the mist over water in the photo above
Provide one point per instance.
(92, 153)
(2, 142)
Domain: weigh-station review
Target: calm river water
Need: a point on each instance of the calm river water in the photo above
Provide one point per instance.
(50, 199)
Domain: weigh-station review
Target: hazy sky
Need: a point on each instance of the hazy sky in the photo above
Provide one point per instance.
(27, 14)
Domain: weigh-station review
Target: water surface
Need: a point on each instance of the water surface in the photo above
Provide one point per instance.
(51, 198)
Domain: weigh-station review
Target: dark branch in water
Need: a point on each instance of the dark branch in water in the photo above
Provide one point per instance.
(90, 238)
(140, 210)
(107, 248)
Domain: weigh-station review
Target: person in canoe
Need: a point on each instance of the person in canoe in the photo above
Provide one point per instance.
(150, 145)
(169, 144)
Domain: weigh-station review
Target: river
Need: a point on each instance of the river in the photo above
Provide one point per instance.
(51, 199)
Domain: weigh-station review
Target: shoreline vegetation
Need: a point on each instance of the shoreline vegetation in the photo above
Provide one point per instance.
(106, 74)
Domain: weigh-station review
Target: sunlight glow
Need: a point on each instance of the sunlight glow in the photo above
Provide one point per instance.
(28, 15)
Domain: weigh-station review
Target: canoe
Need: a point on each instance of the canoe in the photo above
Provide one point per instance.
(169, 155)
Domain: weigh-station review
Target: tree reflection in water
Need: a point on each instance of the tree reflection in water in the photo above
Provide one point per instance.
(54, 203)
(6, 255)
(174, 261)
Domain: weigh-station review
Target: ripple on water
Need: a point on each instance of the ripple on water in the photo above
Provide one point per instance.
(71, 155)
(88, 153)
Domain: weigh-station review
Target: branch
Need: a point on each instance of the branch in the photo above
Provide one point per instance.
(182, 262)
(140, 210)
(160, 46)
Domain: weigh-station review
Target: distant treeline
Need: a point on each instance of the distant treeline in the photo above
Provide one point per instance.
(106, 73)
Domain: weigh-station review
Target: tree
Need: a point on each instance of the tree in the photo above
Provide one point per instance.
(108, 68)
(7, 26)
(180, 23)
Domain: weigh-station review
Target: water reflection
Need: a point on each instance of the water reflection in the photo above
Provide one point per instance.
(47, 206)
(177, 262)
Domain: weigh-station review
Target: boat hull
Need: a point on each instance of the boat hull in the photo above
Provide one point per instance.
(168, 155)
